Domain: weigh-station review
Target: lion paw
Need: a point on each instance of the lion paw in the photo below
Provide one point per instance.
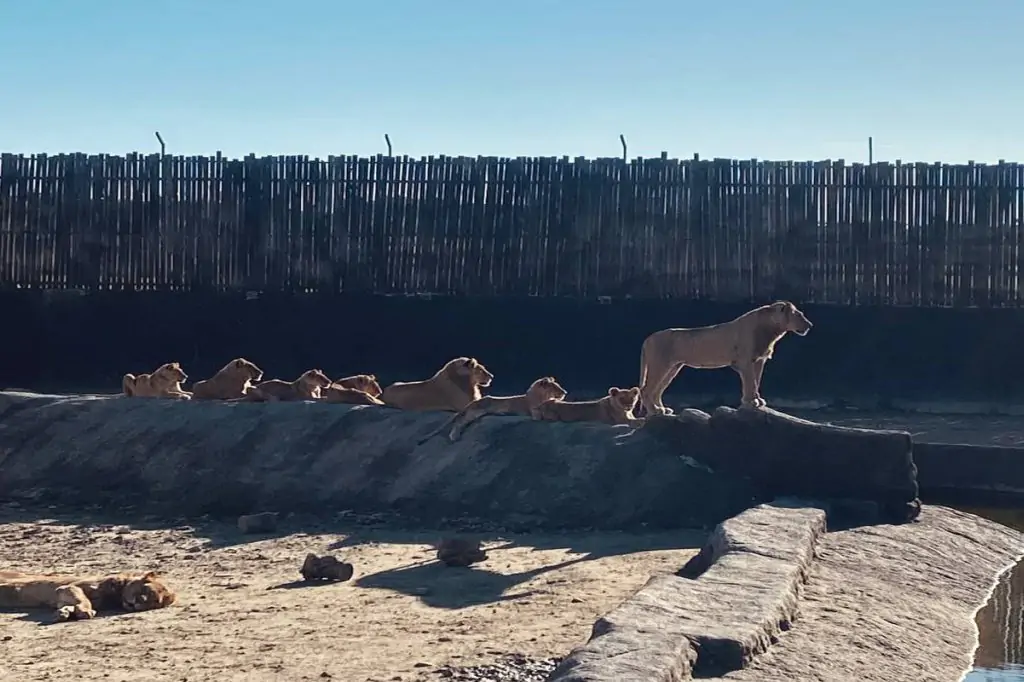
(66, 613)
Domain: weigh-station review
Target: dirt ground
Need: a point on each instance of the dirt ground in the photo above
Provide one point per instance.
(239, 615)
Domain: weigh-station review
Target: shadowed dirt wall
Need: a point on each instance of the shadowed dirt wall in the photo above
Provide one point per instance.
(201, 457)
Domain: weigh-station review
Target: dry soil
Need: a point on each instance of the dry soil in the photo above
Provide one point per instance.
(240, 614)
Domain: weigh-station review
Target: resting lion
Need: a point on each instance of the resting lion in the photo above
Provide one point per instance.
(541, 390)
(336, 393)
(78, 597)
(307, 387)
(744, 344)
(233, 380)
(367, 383)
(455, 385)
(614, 408)
(164, 382)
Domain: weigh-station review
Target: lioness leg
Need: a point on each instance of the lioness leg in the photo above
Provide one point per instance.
(461, 422)
(657, 389)
(758, 372)
(749, 372)
(72, 604)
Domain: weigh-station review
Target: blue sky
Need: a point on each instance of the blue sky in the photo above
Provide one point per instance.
(771, 79)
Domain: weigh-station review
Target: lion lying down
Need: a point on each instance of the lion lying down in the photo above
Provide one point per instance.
(540, 391)
(615, 408)
(163, 382)
(77, 597)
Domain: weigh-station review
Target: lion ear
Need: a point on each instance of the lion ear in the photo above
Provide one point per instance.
(150, 575)
(614, 390)
(239, 363)
(371, 377)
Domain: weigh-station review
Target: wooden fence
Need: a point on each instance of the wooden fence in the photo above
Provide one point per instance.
(827, 232)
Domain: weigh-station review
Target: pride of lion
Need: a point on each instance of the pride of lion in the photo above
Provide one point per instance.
(745, 344)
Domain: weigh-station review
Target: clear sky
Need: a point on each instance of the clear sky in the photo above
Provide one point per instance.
(931, 80)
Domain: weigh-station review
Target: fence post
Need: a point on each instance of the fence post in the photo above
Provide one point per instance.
(622, 139)
(388, 141)
(163, 147)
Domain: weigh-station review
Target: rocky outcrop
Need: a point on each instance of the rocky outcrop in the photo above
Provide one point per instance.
(747, 592)
(868, 473)
(875, 603)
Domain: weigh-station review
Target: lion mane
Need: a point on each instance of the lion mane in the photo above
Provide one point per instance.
(453, 387)
(614, 408)
(163, 382)
(233, 380)
(541, 390)
(745, 344)
(77, 597)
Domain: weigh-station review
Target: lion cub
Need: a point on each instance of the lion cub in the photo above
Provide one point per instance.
(307, 387)
(233, 380)
(361, 389)
(164, 382)
(540, 391)
(615, 408)
(453, 387)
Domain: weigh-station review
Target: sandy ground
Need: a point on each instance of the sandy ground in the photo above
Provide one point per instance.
(238, 616)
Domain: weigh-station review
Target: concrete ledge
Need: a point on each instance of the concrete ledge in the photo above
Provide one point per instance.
(749, 578)
(982, 474)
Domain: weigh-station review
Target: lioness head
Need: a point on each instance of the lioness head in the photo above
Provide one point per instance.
(472, 369)
(625, 398)
(315, 377)
(241, 366)
(545, 389)
(789, 317)
(367, 383)
(145, 593)
(170, 373)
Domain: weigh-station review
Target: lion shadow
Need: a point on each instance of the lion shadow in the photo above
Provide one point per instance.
(444, 587)
(45, 617)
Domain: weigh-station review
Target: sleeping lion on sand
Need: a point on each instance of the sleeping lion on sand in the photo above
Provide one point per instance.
(78, 597)
(307, 387)
(233, 380)
(614, 408)
(745, 344)
(541, 390)
(455, 386)
(164, 382)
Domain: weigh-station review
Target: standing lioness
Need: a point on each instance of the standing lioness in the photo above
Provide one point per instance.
(745, 344)
(455, 385)
(164, 382)
(233, 380)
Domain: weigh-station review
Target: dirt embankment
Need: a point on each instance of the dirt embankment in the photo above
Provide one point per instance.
(191, 458)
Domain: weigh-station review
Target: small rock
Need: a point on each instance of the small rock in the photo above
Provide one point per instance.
(265, 522)
(460, 552)
(325, 568)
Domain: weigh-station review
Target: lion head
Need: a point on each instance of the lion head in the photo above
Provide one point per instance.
(625, 398)
(145, 593)
(367, 383)
(243, 368)
(315, 378)
(472, 370)
(789, 318)
(169, 374)
(545, 389)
